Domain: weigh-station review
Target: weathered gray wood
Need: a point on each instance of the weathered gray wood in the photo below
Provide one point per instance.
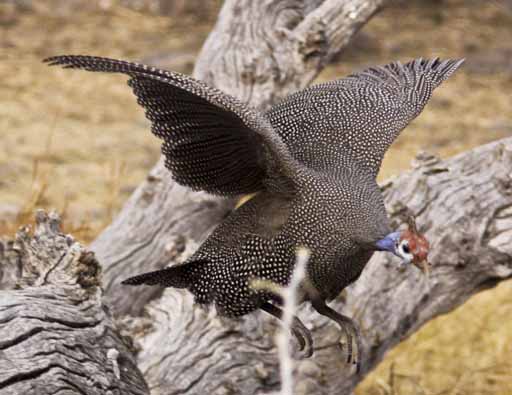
(258, 51)
(464, 205)
(11, 264)
(56, 335)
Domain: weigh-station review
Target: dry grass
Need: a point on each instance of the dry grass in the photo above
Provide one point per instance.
(78, 143)
(74, 129)
(465, 352)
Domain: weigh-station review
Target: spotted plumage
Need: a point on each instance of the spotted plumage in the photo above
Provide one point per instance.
(312, 158)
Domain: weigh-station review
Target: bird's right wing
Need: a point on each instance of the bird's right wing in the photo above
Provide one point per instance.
(352, 121)
(211, 141)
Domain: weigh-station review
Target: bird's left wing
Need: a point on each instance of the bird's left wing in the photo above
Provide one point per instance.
(351, 122)
(211, 141)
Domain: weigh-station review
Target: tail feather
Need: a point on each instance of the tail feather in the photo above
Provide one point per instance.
(181, 276)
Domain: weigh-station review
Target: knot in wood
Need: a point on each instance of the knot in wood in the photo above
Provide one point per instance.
(52, 258)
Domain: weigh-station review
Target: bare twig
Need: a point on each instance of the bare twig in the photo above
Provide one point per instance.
(290, 306)
(289, 296)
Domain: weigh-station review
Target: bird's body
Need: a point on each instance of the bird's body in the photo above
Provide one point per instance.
(269, 228)
(312, 159)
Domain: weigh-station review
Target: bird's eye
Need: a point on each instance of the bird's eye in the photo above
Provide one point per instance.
(405, 248)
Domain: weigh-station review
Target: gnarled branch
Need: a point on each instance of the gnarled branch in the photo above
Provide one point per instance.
(260, 51)
(56, 335)
(463, 205)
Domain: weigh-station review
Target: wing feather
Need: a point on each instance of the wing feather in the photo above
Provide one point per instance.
(211, 141)
(351, 122)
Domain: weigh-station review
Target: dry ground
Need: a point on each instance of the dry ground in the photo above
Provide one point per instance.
(78, 143)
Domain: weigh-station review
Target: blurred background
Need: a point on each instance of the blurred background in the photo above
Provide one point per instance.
(79, 143)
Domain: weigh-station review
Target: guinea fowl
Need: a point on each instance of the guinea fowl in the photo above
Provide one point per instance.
(313, 159)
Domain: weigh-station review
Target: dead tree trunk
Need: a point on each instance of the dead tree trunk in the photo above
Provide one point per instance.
(258, 51)
(464, 205)
(56, 335)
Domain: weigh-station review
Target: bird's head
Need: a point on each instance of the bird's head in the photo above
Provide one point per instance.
(409, 245)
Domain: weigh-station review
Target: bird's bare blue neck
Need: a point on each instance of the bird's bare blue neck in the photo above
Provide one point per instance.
(388, 243)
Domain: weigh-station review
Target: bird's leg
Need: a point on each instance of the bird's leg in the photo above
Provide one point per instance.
(346, 324)
(301, 333)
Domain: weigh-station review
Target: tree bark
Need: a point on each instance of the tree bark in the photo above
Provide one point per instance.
(464, 206)
(56, 335)
(258, 51)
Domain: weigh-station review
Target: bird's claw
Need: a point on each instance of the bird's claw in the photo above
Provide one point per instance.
(347, 326)
(346, 339)
(352, 340)
(305, 341)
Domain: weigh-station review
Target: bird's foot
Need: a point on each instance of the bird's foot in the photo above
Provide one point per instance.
(352, 341)
(346, 343)
(304, 338)
(299, 331)
(349, 329)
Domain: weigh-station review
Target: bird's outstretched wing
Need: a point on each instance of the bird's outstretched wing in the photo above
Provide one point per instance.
(211, 141)
(352, 121)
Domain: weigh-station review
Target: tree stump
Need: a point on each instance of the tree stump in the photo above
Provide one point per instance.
(56, 334)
